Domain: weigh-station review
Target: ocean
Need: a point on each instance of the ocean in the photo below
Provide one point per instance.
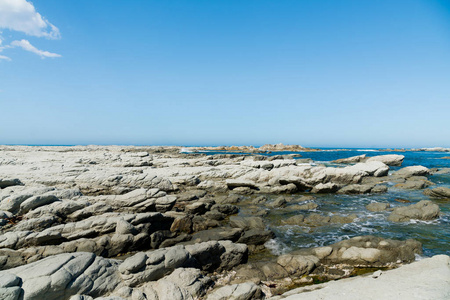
(435, 235)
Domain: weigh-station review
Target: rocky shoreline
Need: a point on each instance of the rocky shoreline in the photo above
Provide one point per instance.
(269, 148)
(115, 222)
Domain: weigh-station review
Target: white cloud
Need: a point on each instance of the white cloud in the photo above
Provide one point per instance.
(20, 15)
(25, 45)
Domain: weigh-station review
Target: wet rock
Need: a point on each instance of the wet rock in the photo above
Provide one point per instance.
(377, 206)
(366, 251)
(182, 224)
(222, 255)
(228, 199)
(201, 223)
(439, 192)
(356, 189)
(243, 191)
(424, 210)
(443, 171)
(247, 223)
(226, 209)
(323, 188)
(294, 220)
(315, 219)
(343, 219)
(379, 189)
(414, 183)
(260, 200)
(217, 234)
(214, 215)
(279, 202)
(199, 207)
(256, 237)
(306, 206)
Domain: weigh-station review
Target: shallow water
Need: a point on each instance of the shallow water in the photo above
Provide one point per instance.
(435, 235)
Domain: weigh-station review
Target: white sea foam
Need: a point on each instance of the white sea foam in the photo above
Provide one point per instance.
(277, 247)
(419, 257)
(367, 150)
(186, 150)
(415, 221)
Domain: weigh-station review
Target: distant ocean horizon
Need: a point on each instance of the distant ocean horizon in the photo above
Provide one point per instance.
(355, 148)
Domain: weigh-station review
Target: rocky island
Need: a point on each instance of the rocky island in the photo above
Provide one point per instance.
(124, 222)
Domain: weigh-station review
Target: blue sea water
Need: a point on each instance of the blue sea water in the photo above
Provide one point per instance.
(435, 235)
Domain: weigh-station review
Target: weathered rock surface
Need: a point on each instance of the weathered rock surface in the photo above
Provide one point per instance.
(350, 160)
(364, 251)
(65, 211)
(61, 276)
(424, 210)
(243, 291)
(377, 206)
(424, 279)
(439, 192)
(6, 182)
(390, 159)
(412, 171)
(315, 219)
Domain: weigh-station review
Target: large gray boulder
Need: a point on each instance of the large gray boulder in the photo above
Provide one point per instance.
(390, 159)
(412, 171)
(350, 160)
(424, 210)
(439, 192)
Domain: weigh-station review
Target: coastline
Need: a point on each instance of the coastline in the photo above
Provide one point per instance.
(210, 217)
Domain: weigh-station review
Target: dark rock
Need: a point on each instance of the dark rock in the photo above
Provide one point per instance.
(256, 237)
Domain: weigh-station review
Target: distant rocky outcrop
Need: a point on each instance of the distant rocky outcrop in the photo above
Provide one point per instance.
(390, 159)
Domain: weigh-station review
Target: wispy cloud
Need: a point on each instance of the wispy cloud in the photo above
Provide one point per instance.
(21, 16)
(25, 45)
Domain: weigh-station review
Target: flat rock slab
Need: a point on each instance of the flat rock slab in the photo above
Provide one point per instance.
(425, 279)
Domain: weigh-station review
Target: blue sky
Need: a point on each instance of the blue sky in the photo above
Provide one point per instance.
(315, 73)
